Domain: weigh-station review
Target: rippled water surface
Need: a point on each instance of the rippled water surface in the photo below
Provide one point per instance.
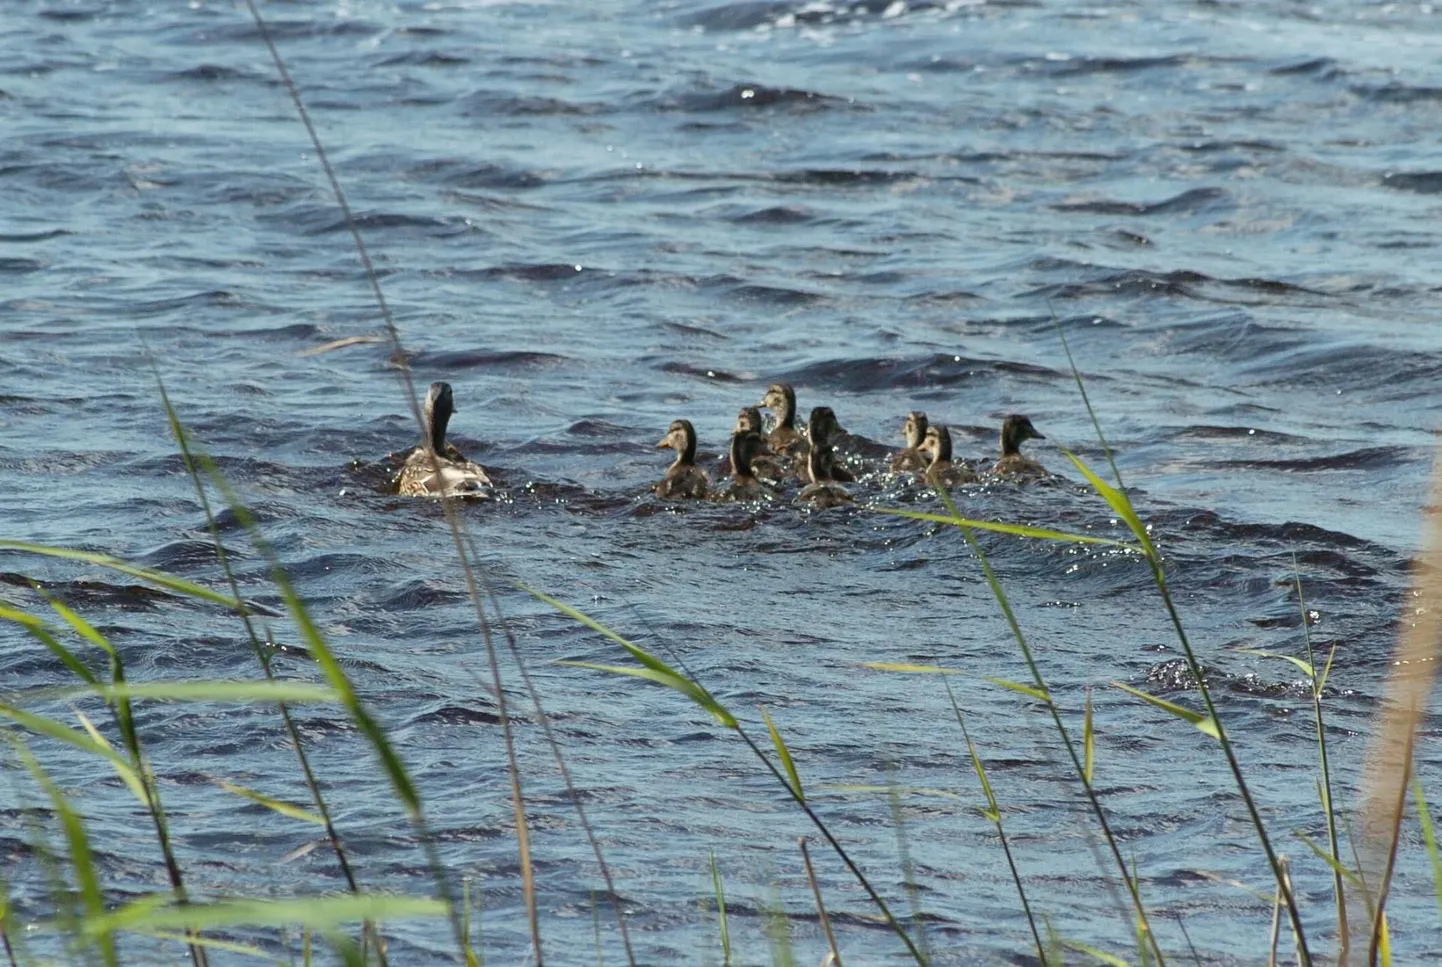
(594, 219)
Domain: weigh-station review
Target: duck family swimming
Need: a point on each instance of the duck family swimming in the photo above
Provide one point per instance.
(758, 459)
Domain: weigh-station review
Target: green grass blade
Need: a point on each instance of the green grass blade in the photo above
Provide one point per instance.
(78, 843)
(275, 805)
(219, 692)
(1117, 501)
(721, 911)
(910, 669)
(659, 671)
(316, 913)
(41, 632)
(1203, 723)
(1028, 690)
(160, 579)
(670, 679)
(1015, 530)
(1088, 742)
(1305, 666)
(131, 780)
(81, 627)
(1326, 857)
(211, 943)
(61, 732)
(1429, 837)
(784, 754)
(1094, 953)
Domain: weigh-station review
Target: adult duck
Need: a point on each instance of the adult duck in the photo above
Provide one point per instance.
(436, 468)
(683, 478)
(1016, 430)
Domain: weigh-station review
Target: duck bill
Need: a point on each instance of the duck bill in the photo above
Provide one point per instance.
(664, 442)
(1037, 436)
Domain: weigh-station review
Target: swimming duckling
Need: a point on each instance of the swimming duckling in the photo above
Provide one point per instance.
(435, 468)
(784, 439)
(683, 478)
(823, 491)
(763, 462)
(941, 472)
(913, 431)
(826, 433)
(745, 445)
(1015, 430)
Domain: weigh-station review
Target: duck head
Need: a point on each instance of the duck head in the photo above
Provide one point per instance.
(749, 420)
(937, 442)
(682, 438)
(780, 399)
(1015, 430)
(437, 412)
(745, 446)
(914, 429)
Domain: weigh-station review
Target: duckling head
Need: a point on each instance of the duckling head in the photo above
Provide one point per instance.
(937, 442)
(437, 412)
(749, 419)
(1015, 430)
(780, 399)
(823, 427)
(914, 429)
(745, 446)
(682, 438)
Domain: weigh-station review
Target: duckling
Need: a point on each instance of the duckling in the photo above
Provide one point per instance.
(745, 444)
(941, 472)
(913, 431)
(785, 439)
(435, 468)
(826, 433)
(823, 491)
(1015, 430)
(683, 478)
(763, 462)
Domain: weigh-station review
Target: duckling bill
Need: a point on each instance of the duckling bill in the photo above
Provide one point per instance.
(683, 478)
(436, 468)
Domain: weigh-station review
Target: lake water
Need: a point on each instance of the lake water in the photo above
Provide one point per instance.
(594, 219)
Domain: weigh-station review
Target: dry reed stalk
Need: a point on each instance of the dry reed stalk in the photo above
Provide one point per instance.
(1388, 766)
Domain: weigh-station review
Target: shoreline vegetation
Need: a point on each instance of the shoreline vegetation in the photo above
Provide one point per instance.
(85, 921)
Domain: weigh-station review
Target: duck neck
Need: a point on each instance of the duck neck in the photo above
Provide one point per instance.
(438, 417)
(786, 415)
(818, 462)
(686, 452)
(741, 456)
(1010, 445)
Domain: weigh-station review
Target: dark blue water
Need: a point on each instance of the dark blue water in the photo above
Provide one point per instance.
(592, 221)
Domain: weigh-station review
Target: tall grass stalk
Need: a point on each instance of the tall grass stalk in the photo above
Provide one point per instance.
(264, 652)
(721, 923)
(1388, 768)
(820, 904)
(992, 811)
(652, 669)
(555, 747)
(1039, 681)
(121, 712)
(1429, 839)
(1122, 504)
(908, 866)
(452, 519)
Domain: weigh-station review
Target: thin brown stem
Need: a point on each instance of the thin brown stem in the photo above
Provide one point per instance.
(820, 904)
